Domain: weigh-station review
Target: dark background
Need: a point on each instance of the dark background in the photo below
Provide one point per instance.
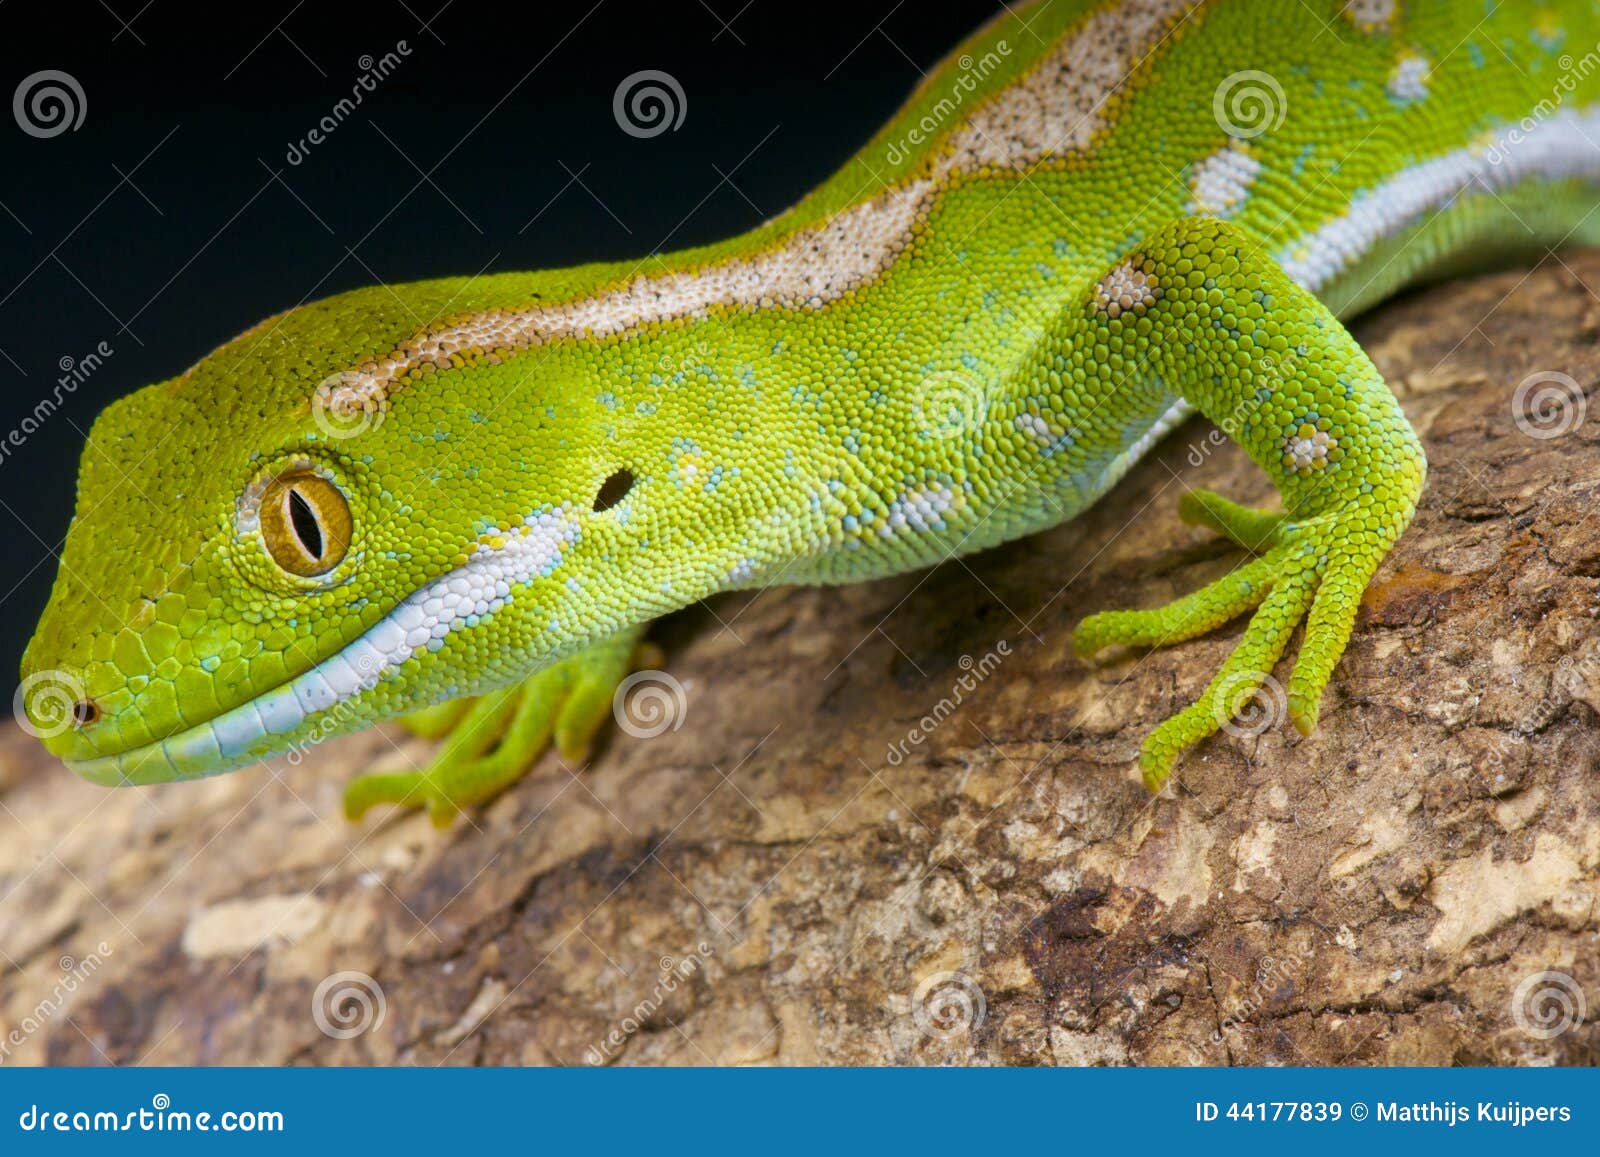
(171, 219)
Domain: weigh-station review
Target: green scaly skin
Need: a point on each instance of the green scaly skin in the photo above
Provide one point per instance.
(1048, 291)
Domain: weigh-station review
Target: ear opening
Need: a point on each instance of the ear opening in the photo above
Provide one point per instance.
(613, 490)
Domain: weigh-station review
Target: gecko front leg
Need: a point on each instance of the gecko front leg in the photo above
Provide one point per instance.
(1206, 311)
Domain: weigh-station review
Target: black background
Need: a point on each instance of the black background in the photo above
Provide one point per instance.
(170, 219)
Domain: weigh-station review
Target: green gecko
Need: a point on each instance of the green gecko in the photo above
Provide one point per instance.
(466, 498)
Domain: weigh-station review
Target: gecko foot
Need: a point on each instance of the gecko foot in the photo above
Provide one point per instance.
(492, 740)
(1313, 570)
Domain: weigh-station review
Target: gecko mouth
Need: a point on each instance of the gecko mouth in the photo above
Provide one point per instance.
(256, 728)
(268, 723)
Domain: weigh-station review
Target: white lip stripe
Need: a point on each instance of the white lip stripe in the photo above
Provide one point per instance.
(196, 747)
(313, 693)
(280, 713)
(363, 654)
(235, 730)
(345, 677)
(467, 594)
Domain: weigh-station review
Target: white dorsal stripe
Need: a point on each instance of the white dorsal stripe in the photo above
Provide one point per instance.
(1059, 105)
(1055, 108)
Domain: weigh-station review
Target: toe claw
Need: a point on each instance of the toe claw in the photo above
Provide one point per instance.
(1156, 768)
(1303, 715)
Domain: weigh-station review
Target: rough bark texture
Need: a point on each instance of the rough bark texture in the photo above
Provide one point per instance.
(768, 883)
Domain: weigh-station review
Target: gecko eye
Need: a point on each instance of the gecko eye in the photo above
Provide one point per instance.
(305, 522)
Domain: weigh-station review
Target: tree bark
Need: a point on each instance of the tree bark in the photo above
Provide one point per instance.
(900, 822)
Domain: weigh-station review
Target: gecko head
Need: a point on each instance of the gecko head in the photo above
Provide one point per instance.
(266, 552)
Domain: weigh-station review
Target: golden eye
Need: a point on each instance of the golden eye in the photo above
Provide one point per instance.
(305, 522)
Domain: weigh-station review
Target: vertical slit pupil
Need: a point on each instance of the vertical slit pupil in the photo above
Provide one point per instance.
(306, 527)
(613, 490)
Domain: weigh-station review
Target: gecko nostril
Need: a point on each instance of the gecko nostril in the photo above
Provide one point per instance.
(85, 712)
